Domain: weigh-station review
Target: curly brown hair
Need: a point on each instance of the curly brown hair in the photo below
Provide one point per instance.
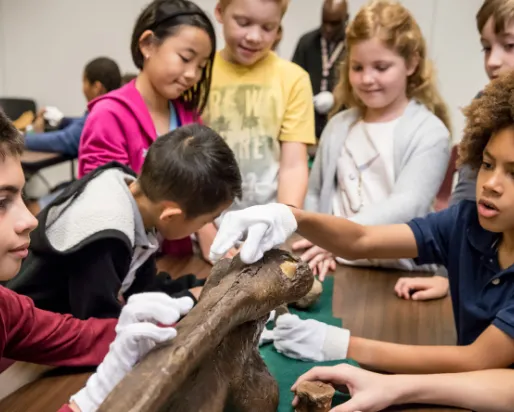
(488, 114)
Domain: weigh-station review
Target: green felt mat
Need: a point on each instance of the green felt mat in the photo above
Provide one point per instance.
(286, 370)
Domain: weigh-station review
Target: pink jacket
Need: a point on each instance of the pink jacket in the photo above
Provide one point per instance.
(119, 128)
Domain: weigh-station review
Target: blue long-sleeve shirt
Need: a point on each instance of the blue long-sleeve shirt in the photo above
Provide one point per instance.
(65, 140)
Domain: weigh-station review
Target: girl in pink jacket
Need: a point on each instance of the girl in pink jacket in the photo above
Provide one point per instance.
(173, 44)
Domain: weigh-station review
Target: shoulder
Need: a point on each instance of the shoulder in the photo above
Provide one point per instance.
(288, 70)
(70, 223)
(309, 38)
(418, 116)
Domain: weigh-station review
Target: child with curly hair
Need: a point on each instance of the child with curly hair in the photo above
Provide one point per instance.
(474, 240)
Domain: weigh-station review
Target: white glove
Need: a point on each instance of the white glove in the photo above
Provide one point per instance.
(53, 115)
(136, 334)
(310, 340)
(323, 102)
(265, 227)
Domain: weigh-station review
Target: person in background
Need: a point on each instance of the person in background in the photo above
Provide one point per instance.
(383, 159)
(261, 105)
(319, 53)
(100, 76)
(32, 335)
(173, 45)
(495, 24)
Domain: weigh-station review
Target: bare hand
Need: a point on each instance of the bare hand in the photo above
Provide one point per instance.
(320, 260)
(370, 392)
(39, 123)
(434, 287)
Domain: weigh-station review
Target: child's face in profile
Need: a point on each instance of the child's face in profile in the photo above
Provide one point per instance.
(495, 183)
(178, 226)
(91, 90)
(250, 28)
(498, 49)
(16, 222)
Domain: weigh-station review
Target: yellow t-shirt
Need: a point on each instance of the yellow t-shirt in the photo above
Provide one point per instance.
(254, 109)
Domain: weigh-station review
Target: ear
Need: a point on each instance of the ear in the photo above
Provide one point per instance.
(145, 43)
(169, 212)
(218, 13)
(99, 88)
(412, 64)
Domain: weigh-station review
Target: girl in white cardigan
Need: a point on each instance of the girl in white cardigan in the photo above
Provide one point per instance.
(383, 159)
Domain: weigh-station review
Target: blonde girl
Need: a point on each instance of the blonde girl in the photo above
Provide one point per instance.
(381, 160)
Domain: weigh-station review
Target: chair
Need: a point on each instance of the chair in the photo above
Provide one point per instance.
(443, 196)
(14, 107)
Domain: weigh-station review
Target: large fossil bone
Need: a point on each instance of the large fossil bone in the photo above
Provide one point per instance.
(213, 364)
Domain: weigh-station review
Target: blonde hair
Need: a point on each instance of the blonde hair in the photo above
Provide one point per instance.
(399, 31)
(284, 4)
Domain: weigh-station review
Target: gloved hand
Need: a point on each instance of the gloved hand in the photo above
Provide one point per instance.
(265, 227)
(136, 334)
(53, 116)
(310, 340)
(323, 102)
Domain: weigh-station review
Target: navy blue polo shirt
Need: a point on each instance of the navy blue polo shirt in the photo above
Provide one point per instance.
(482, 294)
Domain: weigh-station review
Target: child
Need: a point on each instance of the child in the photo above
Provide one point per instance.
(96, 243)
(101, 76)
(481, 391)
(383, 160)
(173, 45)
(33, 335)
(261, 105)
(473, 240)
(495, 24)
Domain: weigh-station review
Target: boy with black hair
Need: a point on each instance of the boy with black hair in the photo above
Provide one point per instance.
(96, 243)
(33, 335)
(101, 76)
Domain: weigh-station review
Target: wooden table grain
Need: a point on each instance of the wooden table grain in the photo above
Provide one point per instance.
(363, 299)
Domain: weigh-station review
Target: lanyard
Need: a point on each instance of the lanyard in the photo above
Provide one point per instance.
(328, 61)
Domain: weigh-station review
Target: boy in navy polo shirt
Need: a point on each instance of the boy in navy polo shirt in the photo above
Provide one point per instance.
(473, 240)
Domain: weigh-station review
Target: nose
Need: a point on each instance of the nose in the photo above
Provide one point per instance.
(367, 77)
(495, 58)
(254, 35)
(494, 184)
(191, 73)
(25, 222)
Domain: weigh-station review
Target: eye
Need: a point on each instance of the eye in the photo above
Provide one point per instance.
(356, 68)
(5, 202)
(184, 59)
(382, 67)
(486, 165)
(509, 47)
(242, 22)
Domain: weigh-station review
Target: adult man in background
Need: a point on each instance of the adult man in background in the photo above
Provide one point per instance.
(319, 53)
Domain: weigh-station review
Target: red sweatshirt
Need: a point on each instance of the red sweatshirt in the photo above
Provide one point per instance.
(32, 335)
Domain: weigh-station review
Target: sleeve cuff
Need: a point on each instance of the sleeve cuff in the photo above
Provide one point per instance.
(504, 326)
(335, 346)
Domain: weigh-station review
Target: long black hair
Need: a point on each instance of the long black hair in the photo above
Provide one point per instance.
(164, 18)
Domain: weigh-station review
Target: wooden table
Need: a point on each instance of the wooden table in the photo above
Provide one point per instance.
(363, 298)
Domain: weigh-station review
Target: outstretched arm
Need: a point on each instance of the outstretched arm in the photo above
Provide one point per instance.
(489, 390)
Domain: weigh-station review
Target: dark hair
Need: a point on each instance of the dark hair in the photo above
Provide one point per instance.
(192, 166)
(105, 71)
(11, 140)
(488, 114)
(164, 18)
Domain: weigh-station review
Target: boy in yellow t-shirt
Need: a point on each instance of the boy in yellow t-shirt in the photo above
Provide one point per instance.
(261, 105)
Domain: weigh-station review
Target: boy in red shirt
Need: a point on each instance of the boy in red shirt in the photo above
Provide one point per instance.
(33, 335)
